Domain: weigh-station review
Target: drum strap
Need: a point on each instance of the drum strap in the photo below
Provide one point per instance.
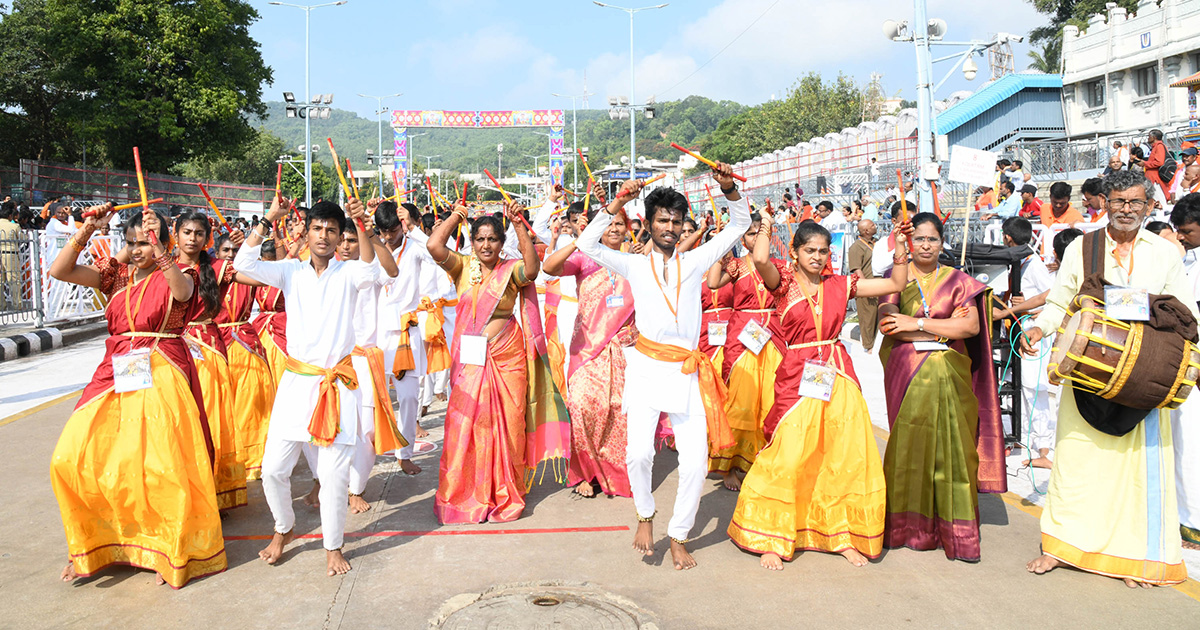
(1093, 252)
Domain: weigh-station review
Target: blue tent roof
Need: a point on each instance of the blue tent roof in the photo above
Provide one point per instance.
(991, 95)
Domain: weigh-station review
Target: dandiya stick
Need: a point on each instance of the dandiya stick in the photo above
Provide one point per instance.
(937, 206)
(213, 205)
(433, 197)
(704, 160)
(504, 193)
(713, 203)
(654, 179)
(278, 180)
(904, 208)
(585, 165)
(353, 182)
(396, 184)
(463, 199)
(342, 177)
(126, 206)
(145, 203)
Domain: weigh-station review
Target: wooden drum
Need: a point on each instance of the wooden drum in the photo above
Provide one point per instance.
(1129, 363)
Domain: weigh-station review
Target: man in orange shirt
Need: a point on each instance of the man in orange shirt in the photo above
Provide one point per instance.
(1158, 155)
(1061, 210)
(1095, 204)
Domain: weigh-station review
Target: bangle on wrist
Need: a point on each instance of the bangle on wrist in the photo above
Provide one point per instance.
(728, 191)
(75, 245)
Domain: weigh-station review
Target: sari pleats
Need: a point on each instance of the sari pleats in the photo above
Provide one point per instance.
(818, 485)
(253, 395)
(751, 395)
(481, 476)
(931, 462)
(134, 484)
(598, 435)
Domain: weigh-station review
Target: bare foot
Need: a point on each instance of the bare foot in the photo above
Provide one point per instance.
(1042, 564)
(1187, 544)
(683, 559)
(158, 579)
(409, 467)
(313, 498)
(1040, 462)
(336, 562)
(771, 561)
(732, 482)
(1131, 583)
(421, 433)
(855, 558)
(643, 540)
(358, 505)
(69, 574)
(439, 397)
(585, 489)
(424, 410)
(274, 550)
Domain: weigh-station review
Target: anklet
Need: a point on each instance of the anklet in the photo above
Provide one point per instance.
(676, 540)
(647, 519)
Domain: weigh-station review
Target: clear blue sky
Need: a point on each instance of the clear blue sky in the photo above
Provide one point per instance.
(492, 54)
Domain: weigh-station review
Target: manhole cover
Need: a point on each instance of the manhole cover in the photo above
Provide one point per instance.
(542, 605)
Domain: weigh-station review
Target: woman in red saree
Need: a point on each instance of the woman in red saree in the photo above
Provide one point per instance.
(212, 279)
(251, 377)
(946, 444)
(819, 484)
(505, 414)
(132, 469)
(596, 375)
(749, 375)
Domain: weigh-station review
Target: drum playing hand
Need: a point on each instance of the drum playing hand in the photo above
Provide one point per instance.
(1028, 340)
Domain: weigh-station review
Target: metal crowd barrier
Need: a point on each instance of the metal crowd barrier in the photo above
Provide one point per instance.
(30, 297)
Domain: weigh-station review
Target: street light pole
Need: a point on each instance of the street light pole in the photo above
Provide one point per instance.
(308, 95)
(632, 119)
(379, 120)
(574, 134)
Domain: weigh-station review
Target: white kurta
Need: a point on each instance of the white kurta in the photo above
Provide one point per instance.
(655, 384)
(320, 331)
(1185, 428)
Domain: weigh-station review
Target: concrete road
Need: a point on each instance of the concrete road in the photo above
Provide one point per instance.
(406, 566)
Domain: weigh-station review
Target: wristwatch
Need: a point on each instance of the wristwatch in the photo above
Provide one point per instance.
(921, 324)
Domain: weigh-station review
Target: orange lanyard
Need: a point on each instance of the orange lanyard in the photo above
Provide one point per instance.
(475, 291)
(815, 305)
(1121, 263)
(678, 286)
(759, 288)
(141, 296)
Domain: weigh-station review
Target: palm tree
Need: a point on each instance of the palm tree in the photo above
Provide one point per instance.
(1050, 57)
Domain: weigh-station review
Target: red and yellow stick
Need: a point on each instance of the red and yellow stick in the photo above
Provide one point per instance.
(654, 179)
(145, 203)
(713, 202)
(278, 180)
(125, 206)
(214, 206)
(904, 206)
(342, 177)
(508, 199)
(396, 184)
(711, 164)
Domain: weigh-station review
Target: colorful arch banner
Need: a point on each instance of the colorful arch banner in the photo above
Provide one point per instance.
(481, 119)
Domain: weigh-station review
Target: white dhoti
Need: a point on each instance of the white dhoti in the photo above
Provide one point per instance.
(1185, 429)
(1039, 400)
(333, 469)
(408, 408)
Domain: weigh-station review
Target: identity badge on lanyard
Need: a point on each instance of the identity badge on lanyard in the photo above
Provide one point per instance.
(131, 371)
(754, 337)
(1127, 303)
(194, 348)
(614, 301)
(817, 380)
(717, 331)
(473, 349)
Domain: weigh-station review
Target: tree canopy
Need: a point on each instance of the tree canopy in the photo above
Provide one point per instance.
(180, 79)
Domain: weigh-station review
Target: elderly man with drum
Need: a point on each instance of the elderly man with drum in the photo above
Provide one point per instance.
(1111, 505)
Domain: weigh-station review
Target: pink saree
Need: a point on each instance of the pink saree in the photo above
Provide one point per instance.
(597, 376)
(505, 417)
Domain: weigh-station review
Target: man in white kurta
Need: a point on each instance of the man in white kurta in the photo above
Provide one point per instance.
(320, 295)
(437, 292)
(568, 305)
(1185, 421)
(398, 318)
(667, 312)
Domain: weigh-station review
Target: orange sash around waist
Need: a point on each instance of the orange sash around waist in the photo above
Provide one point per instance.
(404, 357)
(326, 418)
(437, 351)
(387, 437)
(712, 389)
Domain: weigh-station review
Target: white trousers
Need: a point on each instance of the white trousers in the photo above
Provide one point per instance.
(437, 382)
(567, 312)
(364, 448)
(408, 408)
(1185, 431)
(333, 469)
(1039, 398)
(691, 440)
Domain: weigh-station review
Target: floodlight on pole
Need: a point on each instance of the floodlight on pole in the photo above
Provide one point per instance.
(379, 121)
(307, 75)
(574, 134)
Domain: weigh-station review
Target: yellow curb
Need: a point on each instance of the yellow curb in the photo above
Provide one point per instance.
(46, 405)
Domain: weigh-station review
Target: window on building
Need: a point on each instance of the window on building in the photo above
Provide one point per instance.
(1093, 93)
(1145, 81)
(1196, 61)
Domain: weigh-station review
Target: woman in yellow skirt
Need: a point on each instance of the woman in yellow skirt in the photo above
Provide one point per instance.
(818, 485)
(271, 322)
(132, 470)
(252, 379)
(212, 279)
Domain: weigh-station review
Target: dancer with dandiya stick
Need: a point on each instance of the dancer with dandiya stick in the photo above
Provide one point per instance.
(141, 414)
(704, 160)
